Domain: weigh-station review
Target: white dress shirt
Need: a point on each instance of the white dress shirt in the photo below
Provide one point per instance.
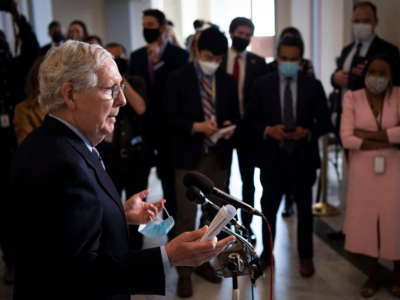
(363, 51)
(232, 53)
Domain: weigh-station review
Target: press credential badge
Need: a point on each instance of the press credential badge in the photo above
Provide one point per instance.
(4, 121)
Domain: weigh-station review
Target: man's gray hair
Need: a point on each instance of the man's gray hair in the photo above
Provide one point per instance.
(74, 62)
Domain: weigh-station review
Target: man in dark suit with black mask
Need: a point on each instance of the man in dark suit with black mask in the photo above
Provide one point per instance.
(245, 67)
(287, 113)
(154, 62)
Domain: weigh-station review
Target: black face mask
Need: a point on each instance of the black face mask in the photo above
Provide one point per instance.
(239, 44)
(58, 37)
(151, 35)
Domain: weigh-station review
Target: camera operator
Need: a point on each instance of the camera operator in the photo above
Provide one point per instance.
(13, 71)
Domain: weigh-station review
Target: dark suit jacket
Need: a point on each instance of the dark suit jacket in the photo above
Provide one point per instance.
(378, 46)
(73, 237)
(172, 58)
(264, 110)
(255, 67)
(44, 49)
(184, 106)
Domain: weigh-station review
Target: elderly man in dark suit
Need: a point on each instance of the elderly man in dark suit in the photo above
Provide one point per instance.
(245, 67)
(201, 98)
(154, 62)
(287, 114)
(72, 225)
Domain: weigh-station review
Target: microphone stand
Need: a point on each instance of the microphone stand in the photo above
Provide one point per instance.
(236, 264)
(234, 261)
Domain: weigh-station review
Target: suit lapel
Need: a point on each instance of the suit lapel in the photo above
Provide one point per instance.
(248, 70)
(101, 174)
(76, 142)
(194, 86)
(276, 98)
(224, 63)
(300, 98)
(372, 48)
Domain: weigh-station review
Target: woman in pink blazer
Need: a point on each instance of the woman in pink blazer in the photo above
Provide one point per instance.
(370, 130)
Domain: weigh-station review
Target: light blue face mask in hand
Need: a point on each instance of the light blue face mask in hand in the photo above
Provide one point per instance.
(157, 227)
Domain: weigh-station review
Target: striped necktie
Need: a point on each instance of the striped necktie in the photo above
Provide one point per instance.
(208, 106)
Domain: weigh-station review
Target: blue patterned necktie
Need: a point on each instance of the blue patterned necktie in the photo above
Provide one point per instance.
(96, 153)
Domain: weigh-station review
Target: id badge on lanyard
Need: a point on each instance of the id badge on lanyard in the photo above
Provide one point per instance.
(379, 164)
(379, 160)
(4, 121)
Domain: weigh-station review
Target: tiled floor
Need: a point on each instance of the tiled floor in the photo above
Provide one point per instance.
(338, 274)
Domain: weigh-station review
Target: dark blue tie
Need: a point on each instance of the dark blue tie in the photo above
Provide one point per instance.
(98, 157)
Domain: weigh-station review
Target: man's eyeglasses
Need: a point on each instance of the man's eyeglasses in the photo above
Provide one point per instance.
(115, 89)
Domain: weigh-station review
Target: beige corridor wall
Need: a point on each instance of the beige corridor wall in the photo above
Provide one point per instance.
(89, 11)
(389, 20)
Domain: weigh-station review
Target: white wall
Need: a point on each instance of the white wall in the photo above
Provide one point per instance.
(283, 14)
(173, 12)
(388, 15)
(89, 11)
(332, 38)
(302, 19)
(136, 14)
(41, 16)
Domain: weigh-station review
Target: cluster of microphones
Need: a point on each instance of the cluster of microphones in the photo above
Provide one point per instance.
(199, 188)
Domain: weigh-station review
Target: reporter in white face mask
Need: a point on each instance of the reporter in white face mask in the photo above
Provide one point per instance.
(200, 99)
(370, 131)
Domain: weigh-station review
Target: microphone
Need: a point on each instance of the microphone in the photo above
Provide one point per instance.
(208, 188)
(194, 195)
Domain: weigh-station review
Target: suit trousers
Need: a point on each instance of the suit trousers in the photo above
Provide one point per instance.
(187, 210)
(246, 169)
(284, 180)
(7, 209)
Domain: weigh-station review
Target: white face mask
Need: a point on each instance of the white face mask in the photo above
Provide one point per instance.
(362, 31)
(376, 84)
(208, 67)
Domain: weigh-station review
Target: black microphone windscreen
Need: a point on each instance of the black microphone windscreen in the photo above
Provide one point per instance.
(194, 195)
(200, 181)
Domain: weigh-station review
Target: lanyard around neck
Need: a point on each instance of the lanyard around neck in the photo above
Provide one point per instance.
(378, 119)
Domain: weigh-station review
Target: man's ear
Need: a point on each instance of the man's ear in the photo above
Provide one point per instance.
(67, 92)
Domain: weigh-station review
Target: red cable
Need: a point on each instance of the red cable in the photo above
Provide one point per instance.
(271, 258)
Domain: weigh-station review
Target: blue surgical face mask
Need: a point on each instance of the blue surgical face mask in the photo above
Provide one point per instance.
(289, 68)
(157, 227)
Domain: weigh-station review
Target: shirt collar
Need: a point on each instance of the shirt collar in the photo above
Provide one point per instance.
(366, 42)
(76, 131)
(199, 71)
(234, 53)
(283, 78)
